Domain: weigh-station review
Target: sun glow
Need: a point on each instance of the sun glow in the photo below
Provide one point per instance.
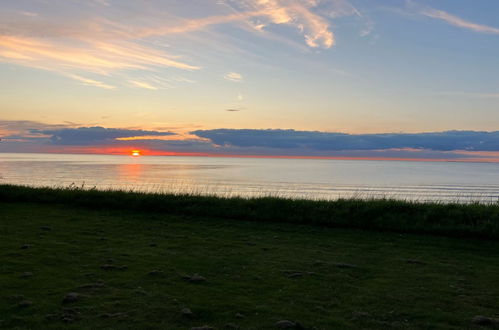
(135, 153)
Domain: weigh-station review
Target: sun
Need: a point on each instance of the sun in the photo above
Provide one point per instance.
(135, 153)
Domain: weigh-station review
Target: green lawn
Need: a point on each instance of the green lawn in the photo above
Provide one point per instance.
(256, 273)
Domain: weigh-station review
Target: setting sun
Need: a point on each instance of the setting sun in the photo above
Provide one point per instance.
(135, 153)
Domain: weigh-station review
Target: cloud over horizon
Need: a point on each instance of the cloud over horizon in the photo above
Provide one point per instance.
(26, 136)
(94, 135)
(324, 141)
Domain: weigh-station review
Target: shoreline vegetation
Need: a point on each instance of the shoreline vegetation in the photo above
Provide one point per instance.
(88, 259)
(472, 220)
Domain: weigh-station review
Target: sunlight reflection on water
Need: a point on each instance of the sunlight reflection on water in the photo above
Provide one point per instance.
(296, 178)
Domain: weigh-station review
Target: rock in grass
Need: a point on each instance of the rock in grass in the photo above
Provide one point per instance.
(112, 267)
(71, 298)
(194, 278)
(156, 272)
(294, 275)
(114, 315)
(285, 324)
(67, 319)
(25, 303)
(344, 265)
(485, 321)
(187, 312)
(240, 316)
(359, 315)
(91, 286)
(108, 267)
(70, 315)
(415, 262)
(204, 327)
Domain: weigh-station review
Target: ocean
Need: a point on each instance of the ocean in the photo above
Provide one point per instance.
(250, 177)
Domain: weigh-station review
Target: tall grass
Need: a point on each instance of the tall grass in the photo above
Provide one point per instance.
(449, 219)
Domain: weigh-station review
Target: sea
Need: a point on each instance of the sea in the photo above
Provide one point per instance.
(462, 182)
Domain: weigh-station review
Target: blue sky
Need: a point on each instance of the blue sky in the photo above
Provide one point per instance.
(348, 66)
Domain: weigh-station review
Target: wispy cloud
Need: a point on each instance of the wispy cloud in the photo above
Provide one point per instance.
(142, 84)
(233, 76)
(92, 36)
(300, 14)
(458, 21)
(91, 82)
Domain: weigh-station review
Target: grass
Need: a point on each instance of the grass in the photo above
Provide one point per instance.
(454, 220)
(128, 257)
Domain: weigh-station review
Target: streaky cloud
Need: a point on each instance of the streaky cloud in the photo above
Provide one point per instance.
(458, 21)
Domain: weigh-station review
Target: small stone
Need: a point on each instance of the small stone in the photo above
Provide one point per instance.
(415, 262)
(25, 246)
(70, 315)
(343, 265)
(187, 312)
(67, 319)
(26, 274)
(92, 286)
(46, 228)
(70, 311)
(294, 275)
(240, 316)
(285, 324)
(114, 315)
(195, 278)
(25, 303)
(204, 327)
(71, 298)
(484, 320)
(359, 315)
(156, 272)
(108, 267)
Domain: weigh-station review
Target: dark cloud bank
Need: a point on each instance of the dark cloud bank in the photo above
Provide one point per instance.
(323, 141)
(93, 135)
(25, 136)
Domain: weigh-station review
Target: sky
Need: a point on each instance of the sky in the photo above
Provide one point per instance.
(396, 79)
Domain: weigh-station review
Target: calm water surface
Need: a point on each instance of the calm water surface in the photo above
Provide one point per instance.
(308, 178)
